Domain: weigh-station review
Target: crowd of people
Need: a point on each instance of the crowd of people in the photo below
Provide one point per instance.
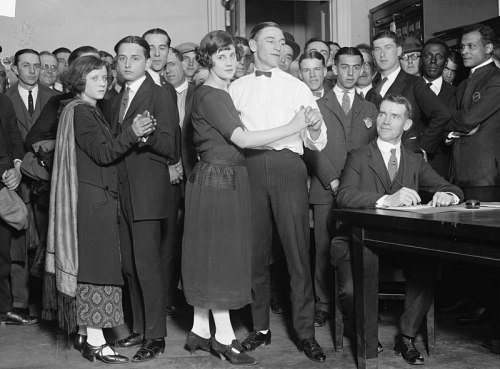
(204, 167)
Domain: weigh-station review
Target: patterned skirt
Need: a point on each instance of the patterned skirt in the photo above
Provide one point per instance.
(98, 306)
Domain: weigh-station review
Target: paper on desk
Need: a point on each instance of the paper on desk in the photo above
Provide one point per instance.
(428, 209)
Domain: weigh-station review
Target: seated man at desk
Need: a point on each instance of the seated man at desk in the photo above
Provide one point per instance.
(385, 174)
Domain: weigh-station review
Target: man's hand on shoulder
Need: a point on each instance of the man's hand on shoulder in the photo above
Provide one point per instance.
(403, 197)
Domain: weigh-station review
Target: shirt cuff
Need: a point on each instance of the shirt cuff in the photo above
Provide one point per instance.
(380, 202)
(456, 199)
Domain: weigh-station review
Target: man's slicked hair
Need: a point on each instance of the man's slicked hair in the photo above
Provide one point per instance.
(400, 100)
(157, 31)
(254, 33)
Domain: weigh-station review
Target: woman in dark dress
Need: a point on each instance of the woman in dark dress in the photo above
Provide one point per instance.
(216, 255)
(83, 246)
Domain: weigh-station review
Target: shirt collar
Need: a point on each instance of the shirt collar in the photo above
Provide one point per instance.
(183, 87)
(24, 91)
(437, 83)
(481, 65)
(134, 86)
(338, 90)
(391, 77)
(364, 90)
(386, 147)
(155, 75)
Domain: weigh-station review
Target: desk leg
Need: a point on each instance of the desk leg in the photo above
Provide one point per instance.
(365, 273)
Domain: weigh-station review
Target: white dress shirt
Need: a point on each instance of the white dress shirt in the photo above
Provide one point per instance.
(155, 75)
(436, 84)
(390, 80)
(134, 87)
(364, 90)
(24, 95)
(269, 102)
(181, 100)
(339, 92)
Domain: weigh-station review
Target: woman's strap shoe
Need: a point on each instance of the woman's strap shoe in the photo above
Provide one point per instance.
(92, 353)
(234, 353)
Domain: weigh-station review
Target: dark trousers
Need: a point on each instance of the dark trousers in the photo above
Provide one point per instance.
(419, 273)
(5, 263)
(141, 263)
(322, 269)
(171, 247)
(278, 185)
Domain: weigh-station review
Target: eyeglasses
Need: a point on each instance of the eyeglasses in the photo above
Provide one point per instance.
(412, 56)
(49, 68)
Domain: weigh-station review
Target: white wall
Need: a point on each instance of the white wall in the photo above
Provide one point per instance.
(360, 20)
(48, 24)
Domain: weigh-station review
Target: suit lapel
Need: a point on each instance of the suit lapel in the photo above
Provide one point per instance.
(22, 113)
(376, 163)
(398, 84)
(333, 105)
(138, 98)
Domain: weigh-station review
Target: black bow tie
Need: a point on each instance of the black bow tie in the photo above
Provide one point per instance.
(259, 73)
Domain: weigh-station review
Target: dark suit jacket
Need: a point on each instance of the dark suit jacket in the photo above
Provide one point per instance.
(189, 155)
(11, 143)
(476, 158)
(147, 165)
(429, 116)
(343, 136)
(365, 178)
(24, 120)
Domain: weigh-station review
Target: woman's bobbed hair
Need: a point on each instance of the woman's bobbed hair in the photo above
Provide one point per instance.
(75, 78)
(212, 43)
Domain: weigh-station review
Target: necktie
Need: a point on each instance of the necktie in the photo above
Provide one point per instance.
(362, 94)
(259, 73)
(317, 94)
(31, 107)
(392, 166)
(378, 88)
(123, 105)
(429, 84)
(346, 102)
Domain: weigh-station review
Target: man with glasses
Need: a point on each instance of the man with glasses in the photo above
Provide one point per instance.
(49, 70)
(429, 114)
(410, 55)
(364, 82)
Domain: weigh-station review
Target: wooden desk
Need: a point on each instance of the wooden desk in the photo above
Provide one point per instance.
(472, 236)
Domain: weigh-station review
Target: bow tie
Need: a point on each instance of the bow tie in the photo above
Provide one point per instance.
(317, 93)
(259, 73)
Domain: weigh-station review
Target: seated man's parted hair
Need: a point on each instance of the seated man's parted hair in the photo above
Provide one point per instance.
(254, 33)
(21, 52)
(312, 55)
(487, 34)
(74, 79)
(134, 40)
(315, 39)
(401, 100)
(212, 43)
(387, 34)
(348, 51)
(80, 51)
(157, 31)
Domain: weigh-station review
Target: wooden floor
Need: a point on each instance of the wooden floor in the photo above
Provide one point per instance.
(40, 346)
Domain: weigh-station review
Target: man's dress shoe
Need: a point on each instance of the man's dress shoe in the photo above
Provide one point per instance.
(312, 350)
(150, 349)
(255, 339)
(18, 316)
(320, 318)
(406, 348)
(135, 339)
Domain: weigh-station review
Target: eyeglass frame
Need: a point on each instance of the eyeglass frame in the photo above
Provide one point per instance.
(413, 56)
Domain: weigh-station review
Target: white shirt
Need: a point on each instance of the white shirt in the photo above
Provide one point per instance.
(134, 87)
(436, 84)
(339, 92)
(481, 65)
(364, 90)
(24, 95)
(390, 80)
(155, 75)
(265, 103)
(181, 100)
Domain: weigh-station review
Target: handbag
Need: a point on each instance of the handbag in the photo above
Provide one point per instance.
(12, 209)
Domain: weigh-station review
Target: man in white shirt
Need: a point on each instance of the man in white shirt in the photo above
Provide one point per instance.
(278, 181)
(385, 173)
